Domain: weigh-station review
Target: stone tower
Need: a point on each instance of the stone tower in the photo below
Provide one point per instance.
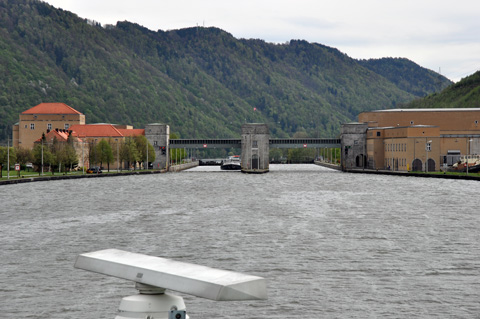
(159, 136)
(255, 148)
(354, 148)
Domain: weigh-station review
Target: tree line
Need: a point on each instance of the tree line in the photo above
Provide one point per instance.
(56, 156)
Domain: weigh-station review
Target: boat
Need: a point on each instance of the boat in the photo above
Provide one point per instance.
(231, 164)
(473, 163)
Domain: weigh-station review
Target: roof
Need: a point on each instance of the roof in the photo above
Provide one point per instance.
(428, 110)
(131, 132)
(95, 130)
(60, 135)
(51, 108)
(103, 130)
(394, 127)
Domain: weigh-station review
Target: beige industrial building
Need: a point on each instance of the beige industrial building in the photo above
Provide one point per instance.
(412, 139)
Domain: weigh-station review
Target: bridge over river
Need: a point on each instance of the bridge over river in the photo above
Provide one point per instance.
(273, 143)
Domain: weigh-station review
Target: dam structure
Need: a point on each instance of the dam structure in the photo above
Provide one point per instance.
(255, 144)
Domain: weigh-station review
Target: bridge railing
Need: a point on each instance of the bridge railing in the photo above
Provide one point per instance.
(305, 142)
(274, 143)
(206, 143)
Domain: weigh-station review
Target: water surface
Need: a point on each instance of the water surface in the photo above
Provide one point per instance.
(331, 244)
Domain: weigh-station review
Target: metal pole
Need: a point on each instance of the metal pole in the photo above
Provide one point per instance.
(147, 154)
(414, 144)
(468, 151)
(118, 160)
(42, 156)
(8, 157)
(83, 158)
(427, 150)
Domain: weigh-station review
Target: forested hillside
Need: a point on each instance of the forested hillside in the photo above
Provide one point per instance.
(406, 75)
(203, 82)
(463, 94)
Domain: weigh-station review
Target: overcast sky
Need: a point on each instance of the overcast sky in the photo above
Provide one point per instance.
(440, 35)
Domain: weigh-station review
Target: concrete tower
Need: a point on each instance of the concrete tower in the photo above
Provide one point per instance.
(255, 148)
(159, 136)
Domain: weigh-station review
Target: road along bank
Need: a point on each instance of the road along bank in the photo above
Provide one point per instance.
(176, 168)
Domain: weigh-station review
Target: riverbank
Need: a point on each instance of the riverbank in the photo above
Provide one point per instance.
(397, 173)
(417, 174)
(328, 165)
(176, 168)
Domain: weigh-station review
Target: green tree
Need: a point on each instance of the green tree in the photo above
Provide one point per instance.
(129, 152)
(276, 155)
(55, 148)
(5, 153)
(104, 153)
(24, 156)
(177, 154)
(301, 155)
(42, 156)
(67, 155)
(143, 146)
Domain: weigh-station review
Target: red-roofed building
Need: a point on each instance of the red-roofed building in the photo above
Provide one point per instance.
(57, 120)
(42, 118)
(79, 144)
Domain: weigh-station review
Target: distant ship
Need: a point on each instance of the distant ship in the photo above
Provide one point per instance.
(231, 164)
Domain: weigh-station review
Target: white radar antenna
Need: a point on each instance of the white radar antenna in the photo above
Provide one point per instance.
(153, 275)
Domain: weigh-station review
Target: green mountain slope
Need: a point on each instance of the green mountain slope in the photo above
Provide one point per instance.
(203, 82)
(407, 75)
(463, 94)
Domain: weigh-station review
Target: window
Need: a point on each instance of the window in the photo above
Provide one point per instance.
(254, 144)
(411, 122)
(378, 133)
(429, 147)
(26, 125)
(49, 126)
(32, 126)
(154, 143)
(67, 126)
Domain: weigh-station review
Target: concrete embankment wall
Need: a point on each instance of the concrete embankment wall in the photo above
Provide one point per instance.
(181, 167)
(328, 165)
(396, 173)
(427, 175)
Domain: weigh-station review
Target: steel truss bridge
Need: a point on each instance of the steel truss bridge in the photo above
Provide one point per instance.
(274, 143)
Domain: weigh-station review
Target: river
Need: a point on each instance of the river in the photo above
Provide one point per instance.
(330, 244)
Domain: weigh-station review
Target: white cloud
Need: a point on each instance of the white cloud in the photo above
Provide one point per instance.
(433, 33)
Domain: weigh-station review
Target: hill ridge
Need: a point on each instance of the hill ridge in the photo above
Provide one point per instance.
(203, 82)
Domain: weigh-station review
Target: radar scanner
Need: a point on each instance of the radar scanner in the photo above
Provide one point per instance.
(154, 275)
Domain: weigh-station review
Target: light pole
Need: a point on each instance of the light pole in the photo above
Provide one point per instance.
(427, 149)
(118, 161)
(83, 156)
(468, 151)
(8, 157)
(42, 156)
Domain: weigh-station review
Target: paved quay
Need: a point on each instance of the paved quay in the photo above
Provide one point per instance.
(399, 173)
(176, 168)
(413, 174)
